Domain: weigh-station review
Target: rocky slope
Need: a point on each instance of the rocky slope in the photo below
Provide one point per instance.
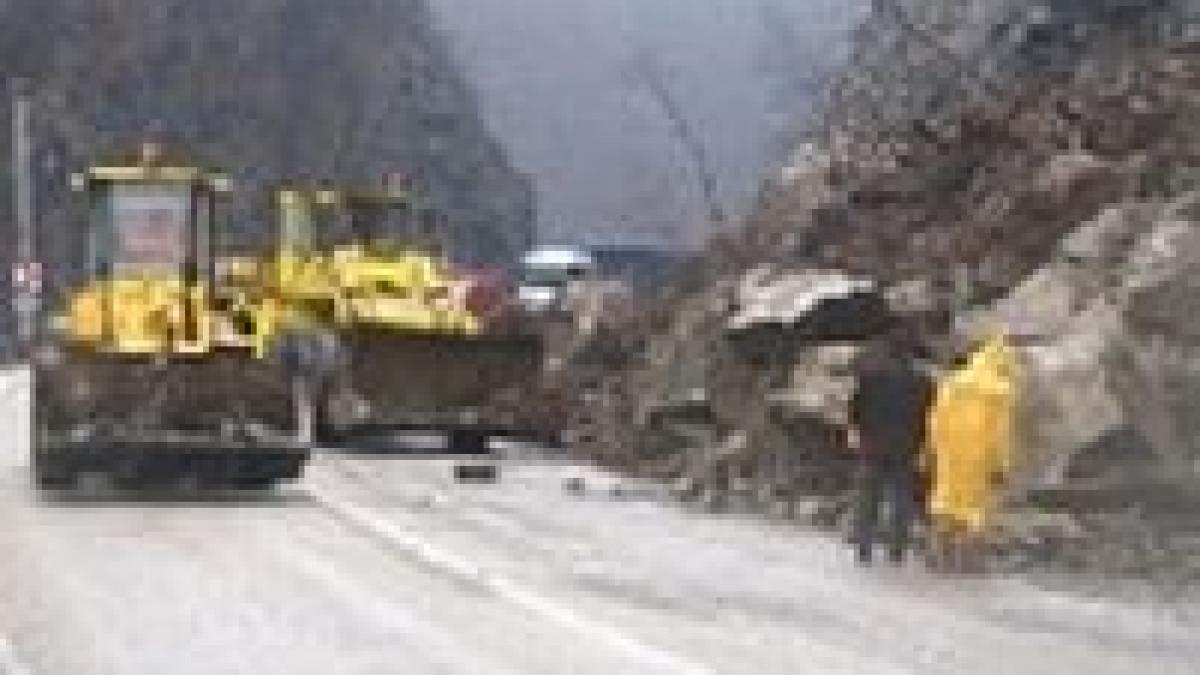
(1020, 164)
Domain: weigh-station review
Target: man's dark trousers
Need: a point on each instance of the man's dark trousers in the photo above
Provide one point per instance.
(878, 482)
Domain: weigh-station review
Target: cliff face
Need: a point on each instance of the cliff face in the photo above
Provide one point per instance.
(270, 89)
(967, 137)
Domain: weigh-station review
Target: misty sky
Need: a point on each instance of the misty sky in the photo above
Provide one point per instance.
(554, 78)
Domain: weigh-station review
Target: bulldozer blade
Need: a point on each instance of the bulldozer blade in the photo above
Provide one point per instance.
(164, 460)
(225, 420)
(444, 384)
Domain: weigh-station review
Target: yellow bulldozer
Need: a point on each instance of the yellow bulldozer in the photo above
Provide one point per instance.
(174, 359)
(405, 348)
(151, 371)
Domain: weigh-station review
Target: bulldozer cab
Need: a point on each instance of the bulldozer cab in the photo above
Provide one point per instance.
(391, 218)
(150, 235)
(384, 220)
(150, 217)
(306, 218)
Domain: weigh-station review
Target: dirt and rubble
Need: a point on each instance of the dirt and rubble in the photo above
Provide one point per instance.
(1030, 169)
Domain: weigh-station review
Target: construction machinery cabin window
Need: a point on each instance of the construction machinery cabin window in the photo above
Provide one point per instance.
(146, 227)
(378, 224)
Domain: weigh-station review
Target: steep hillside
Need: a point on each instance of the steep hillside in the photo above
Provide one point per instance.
(269, 89)
(969, 136)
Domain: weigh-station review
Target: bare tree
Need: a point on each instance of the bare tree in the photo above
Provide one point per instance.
(647, 72)
(650, 196)
(793, 62)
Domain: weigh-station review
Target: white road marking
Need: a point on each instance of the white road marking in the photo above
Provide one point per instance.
(10, 664)
(523, 597)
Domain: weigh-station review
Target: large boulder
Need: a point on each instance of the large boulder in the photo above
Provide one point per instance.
(1106, 351)
(777, 312)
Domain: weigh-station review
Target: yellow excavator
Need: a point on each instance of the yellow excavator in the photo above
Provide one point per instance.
(364, 271)
(151, 371)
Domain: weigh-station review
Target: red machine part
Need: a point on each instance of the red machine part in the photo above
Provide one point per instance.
(489, 293)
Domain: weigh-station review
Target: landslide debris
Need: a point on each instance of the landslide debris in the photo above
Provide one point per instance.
(1028, 165)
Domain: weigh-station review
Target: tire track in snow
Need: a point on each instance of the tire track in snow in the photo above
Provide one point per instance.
(448, 650)
(505, 589)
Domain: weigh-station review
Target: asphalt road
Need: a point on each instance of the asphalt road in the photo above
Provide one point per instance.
(375, 565)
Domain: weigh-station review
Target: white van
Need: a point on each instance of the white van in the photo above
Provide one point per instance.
(546, 274)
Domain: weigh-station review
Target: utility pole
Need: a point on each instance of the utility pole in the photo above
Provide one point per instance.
(27, 275)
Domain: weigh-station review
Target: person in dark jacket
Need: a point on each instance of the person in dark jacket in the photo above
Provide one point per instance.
(887, 417)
